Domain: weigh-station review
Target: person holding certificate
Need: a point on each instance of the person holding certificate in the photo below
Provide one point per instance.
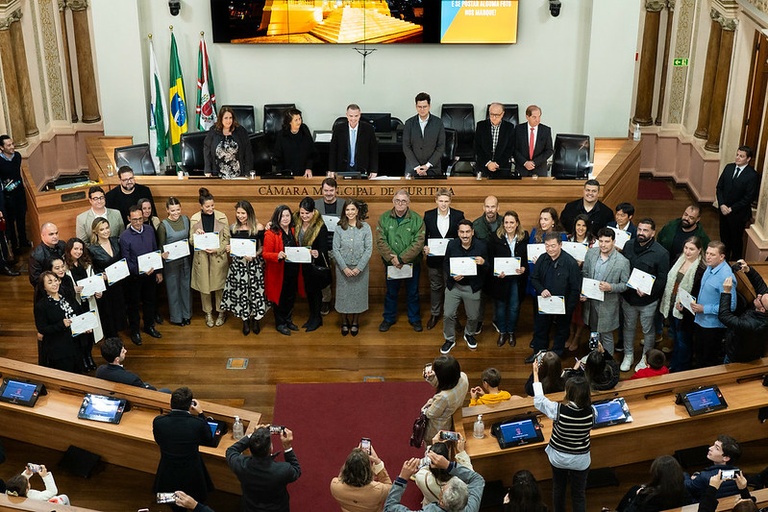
(556, 278)
(177, 270)
(549, 222)
(281, 277)
(311, 232)
(465, 265)
(105, 251)
(508, 253)
(79, 267)
(441, 225)
(610, 270)
(210, 266)
(583, 236)
(244, 289)
(53, 315)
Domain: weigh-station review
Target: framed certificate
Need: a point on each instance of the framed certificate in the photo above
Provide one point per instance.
(117, 271)
(92, 285)
(553, 305)
(507, 266)
(534, 251)
(298, 255)
(590, 288)
(642, 281)
(85, 322)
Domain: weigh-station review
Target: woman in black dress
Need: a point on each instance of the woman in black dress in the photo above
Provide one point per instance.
(78, 261)
(105, 251)
(311, 232)
(53, 315)
(294, 149)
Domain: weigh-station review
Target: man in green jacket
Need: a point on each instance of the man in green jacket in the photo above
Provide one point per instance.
(675, 232)
(400, 242)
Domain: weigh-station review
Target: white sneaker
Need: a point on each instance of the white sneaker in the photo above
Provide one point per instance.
(626, 364)
(641, 364)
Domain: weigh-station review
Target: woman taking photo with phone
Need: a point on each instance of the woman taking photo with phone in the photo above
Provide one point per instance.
(177, 273)
(363, 483)
(352, 246)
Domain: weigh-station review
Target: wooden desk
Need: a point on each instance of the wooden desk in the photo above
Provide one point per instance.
(53, 422)
(659, 427)
(10, 503)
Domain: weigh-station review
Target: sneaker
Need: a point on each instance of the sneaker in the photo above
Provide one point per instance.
(384, 326)
(619, 347)
(496, 327)
(447, 346)
(641, 364)
(479, 328)
(471, 341)
(626, 364)
(325, 308)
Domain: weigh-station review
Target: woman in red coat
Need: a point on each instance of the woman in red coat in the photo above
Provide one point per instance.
(281, 278)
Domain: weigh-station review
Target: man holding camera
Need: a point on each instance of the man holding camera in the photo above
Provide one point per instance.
(746, 335)
(263, 480)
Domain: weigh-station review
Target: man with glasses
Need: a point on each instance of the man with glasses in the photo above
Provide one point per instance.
(128, 194)
(747, 332)
(494, 143)
(423, 140)
(98, 209)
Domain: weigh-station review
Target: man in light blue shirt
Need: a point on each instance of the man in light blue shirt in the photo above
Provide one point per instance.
(709, 331)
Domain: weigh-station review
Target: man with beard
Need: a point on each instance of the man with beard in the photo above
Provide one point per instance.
(673, 235)
(128, 194)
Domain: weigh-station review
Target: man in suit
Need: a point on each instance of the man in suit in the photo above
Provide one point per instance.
(441, 222)
(533, 144)
(263, 480)
(353, 146)
(113, 351)
(494, 144)
(736, 189)
(423, 140)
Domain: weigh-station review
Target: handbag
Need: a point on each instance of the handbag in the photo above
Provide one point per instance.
(419, 428)
(321, 275)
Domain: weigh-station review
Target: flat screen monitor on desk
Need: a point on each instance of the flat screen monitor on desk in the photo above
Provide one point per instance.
(106, 409)
(703, 400)
(20, 392)
(517, 431)
(611, 412)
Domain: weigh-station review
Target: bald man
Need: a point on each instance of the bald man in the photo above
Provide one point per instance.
(50, 247)
(494, 144)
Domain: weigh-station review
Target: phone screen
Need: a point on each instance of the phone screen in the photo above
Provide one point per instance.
(365, 444)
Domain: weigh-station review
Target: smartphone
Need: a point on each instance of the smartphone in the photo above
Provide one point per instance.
(276, 429)
(166, 497)
(730, 474)
(427, 370)
(540, 356)
(449, 436)
(425, 462)
(365, 444)
(35, 468)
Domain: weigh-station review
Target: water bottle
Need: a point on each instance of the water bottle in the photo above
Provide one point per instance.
(479, 430)
(237, 429)
(636, 135)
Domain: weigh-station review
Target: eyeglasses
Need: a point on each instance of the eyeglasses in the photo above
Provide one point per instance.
(401, 201)
(126, 179)
(495, 115)
(97, 198)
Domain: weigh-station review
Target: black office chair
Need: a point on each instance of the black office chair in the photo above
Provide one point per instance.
(273, 119)
(338, 121)
(245, 116)
(449, 157)
(262, 161)
(138, 157)
(511, 113)
(192, 158)
(571, 157)
(461, 117)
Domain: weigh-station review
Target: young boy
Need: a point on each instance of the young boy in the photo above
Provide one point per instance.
(489, 394)
(655, 367)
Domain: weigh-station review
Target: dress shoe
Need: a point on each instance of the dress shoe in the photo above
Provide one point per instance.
(325, 308)
(354, 330)
(136, 338)
(284, 330)
(384, 326)
(531, 358)
(256, 329)
(511, 339)
(158, 319)
(432, 322)
(221, 319)
(502, 339)
(209, 319)
(8, 271)
(246, 327)
(417, 326)
(345, 329)
(153, 332)
(186, 321)
(177, 324)
(313, 325)
(292, 326)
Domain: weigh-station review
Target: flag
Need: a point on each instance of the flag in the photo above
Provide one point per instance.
(158, 112)
(205, 106)
(177, 102)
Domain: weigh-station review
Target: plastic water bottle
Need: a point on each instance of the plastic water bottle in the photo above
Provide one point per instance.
(479, 430)
(636, 135)
(237, 429)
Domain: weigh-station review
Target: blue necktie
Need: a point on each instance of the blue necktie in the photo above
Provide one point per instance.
(352, 144)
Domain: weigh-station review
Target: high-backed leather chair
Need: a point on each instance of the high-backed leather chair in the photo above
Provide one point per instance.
(273, 119)
(571, 157)
(192, 158)
(511, 113)
(138, 157)
(338, 121)
(461, 117)
(262, 161)
(449, 157)
(245, 116)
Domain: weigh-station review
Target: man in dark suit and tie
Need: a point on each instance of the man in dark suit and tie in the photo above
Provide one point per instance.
(423, 140)
(494, 144)
(353, 146)
(736, 189)
(533, 144)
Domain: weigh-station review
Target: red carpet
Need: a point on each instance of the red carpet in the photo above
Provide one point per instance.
(654, 190)
(328, 420)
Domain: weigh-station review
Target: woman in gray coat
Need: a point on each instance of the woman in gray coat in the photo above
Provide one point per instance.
(352, 245)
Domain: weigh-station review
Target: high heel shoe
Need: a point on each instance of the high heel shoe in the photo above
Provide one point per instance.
(246, 327)
(345, 329)
(256, 329)
(354, 330)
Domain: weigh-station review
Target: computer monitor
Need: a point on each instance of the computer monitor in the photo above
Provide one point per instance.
(381, 121)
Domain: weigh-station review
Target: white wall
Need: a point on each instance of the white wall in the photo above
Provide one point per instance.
(577, 67)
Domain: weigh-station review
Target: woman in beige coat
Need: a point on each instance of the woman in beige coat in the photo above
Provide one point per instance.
(210, 266)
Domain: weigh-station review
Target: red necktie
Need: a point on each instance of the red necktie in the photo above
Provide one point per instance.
(531, 143)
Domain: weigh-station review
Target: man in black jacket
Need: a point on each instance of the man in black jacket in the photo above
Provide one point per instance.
(746, 335)
(113, 351)
(50, 248)
(597, 212)
(263, 480)
(353, 146)
(737, 187)
(556, 273)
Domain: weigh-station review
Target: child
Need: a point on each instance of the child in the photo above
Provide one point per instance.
(489, 394)
(655, 367)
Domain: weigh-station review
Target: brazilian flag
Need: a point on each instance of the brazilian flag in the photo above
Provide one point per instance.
(177, 102)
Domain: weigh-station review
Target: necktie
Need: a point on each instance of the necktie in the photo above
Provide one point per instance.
(736, 172)
(352, 144)
(531, 143)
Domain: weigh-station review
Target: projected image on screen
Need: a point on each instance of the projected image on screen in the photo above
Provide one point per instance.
(518, 431)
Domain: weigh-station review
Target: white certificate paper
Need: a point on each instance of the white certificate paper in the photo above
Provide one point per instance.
(576, 249)
(463, 266)
(685, 299)
(330, 222)
(508, 266)
(590, 288)
(177, 250)
(92, 285)
(642, 281)
(405, 272)
(242, 247)
(534, 251)
(117, 271)
(622, 237)
(554, 305)
(85, 322)
(151, 260)
(207, 241)
(437, 246)
(298, 255)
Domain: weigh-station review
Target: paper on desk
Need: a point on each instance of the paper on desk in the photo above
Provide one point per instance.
(151, 260)
(554, 305)
(622, 237)
(330, 222)
(92, 285)
(507, 266)
(437, 246)
(590, 288)
(298, 255)
(463, 266)
(686, 299)
(534, 251)
(177, 250)
(207, 241)
(85, 322)
(117, 271)
(242, 247)
(642, 281)
(405, 272)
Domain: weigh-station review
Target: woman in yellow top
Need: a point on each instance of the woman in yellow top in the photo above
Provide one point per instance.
(489, 393)
(363, 483)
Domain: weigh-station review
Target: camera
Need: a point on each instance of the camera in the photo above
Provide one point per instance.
(554, 8)
(276, 429)
(174, 6)
(449, 436)
(166, 497)
(730, 474)
(594, 340)
(365, 445)
(34, 468)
